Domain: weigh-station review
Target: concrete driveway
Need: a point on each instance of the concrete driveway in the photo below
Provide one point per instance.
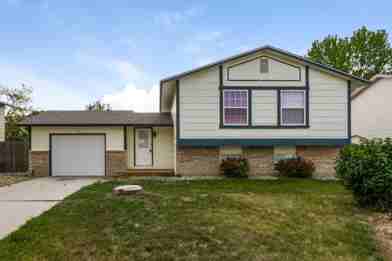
(22, 201)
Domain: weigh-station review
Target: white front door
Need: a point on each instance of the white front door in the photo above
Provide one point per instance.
(143, 146)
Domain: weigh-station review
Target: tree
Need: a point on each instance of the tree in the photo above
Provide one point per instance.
(20, 106)
(98, 106)
(364, 54)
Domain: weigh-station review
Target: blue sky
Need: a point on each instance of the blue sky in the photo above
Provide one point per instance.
(73, 52)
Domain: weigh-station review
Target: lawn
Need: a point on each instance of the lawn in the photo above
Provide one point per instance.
(200, 220)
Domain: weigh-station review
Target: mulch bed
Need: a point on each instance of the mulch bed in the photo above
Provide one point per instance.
(8, 180)
(383, 228)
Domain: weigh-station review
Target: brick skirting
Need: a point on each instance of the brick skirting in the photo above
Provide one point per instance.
(197, 161)
(115, 161)
(206, 161)
(324, 159)
(40, 163)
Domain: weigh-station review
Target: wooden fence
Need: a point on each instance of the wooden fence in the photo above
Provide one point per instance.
(14, 156)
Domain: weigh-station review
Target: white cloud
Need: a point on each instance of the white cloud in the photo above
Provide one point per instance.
(48, 94)
(201, 41)
(173, 18)
(133, 98)
(126, 70)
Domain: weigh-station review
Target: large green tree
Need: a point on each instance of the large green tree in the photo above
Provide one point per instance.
(20, 105)
(364, 54)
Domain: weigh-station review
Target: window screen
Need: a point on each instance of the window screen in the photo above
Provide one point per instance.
(293, 107)
(235, 106)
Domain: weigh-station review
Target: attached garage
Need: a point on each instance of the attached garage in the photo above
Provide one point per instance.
(77, 154)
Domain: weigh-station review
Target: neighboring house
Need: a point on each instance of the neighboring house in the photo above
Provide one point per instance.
(261, 105)
(372, 110)
(2, 122)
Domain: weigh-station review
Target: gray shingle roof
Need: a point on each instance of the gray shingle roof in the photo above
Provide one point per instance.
(63, 118)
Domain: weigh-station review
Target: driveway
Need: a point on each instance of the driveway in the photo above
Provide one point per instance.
(22, 201)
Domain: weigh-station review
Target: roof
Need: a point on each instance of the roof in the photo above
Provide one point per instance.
(95, 118)
(266, 48)
(373, 80)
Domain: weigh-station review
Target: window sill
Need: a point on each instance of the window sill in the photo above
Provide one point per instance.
(264, 127)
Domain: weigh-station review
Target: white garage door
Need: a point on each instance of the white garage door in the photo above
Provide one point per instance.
(78, 155)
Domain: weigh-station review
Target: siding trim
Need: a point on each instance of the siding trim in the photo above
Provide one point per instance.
(177, 110)
(349, 110)
(125, 138)
(258, 80)
(262, 142)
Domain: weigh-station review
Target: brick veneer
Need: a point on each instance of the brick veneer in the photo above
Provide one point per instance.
(324, 159)
(115, 161)
(40, 163)
(205, 161)
(197, 161)
(260, 161)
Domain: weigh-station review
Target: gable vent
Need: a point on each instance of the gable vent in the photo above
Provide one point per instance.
(264, 68)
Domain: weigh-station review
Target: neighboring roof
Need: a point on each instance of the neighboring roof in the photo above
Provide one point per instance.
(373, 80)
(271, 48)
(106, 118)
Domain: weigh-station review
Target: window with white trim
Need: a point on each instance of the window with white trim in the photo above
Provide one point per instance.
(235, 107)
(292, 107)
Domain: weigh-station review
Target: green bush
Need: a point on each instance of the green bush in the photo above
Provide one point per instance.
(295, 167)
(366, 169)
(235, 167)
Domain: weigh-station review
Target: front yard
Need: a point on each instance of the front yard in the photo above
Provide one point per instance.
(200, 220)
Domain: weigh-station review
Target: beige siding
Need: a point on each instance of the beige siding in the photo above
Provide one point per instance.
(264, 107)
(2, 124)
(40, 136)
(162, 148)
(199, 109)
(372, 110)
(246, 72)
(250, 70)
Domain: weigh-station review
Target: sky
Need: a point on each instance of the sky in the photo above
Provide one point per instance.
(74, 52)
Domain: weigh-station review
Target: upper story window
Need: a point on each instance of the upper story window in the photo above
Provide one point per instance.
(235, 107)
(292, 107)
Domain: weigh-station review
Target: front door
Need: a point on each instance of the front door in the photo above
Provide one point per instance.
(143, 147)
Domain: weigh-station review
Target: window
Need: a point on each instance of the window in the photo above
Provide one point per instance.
(235, 107)
(292, 107)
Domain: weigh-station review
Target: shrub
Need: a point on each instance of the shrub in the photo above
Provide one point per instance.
(295, 167)
(235, 167)
(366, 169)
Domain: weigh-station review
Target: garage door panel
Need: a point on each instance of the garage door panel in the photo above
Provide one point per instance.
(78, 155)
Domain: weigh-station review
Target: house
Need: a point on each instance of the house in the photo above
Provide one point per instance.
(262, 104)
(371, 109)
(2, 122)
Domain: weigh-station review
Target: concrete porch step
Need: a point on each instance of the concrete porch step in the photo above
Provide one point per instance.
(148, 172)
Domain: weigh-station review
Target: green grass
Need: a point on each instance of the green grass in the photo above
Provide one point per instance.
(200, 220)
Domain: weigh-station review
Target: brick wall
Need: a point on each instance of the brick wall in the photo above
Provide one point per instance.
(324, 159)
(260, 161)
(40, 163)
(197, 161)
(116, 161)
(205, 161)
